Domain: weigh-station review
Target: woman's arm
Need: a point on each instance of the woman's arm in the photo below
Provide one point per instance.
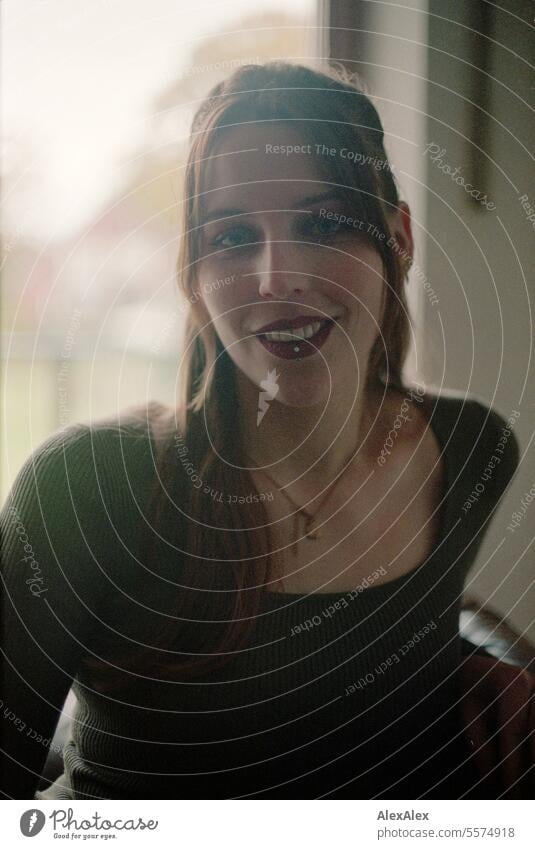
(53, 535)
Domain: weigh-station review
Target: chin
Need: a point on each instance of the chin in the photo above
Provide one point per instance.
(298, 393)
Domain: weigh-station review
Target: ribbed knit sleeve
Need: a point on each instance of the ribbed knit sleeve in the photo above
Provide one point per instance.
(57, 535)
(498, 450)
(507, 448)
(343, 695)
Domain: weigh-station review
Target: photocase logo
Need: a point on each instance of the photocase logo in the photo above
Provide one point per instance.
(31, 822)
(271, 388)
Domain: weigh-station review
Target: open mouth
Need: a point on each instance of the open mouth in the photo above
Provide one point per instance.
(296, 343)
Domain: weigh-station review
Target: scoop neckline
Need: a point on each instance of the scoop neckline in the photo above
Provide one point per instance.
(445, 515)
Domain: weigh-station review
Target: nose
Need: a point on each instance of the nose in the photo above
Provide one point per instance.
(278, 270)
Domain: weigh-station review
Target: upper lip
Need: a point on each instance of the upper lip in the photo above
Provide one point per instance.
(292, 323)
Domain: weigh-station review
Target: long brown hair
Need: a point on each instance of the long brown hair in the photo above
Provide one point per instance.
(223, 549)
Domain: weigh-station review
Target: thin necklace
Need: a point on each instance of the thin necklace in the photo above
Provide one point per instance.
(310, 532)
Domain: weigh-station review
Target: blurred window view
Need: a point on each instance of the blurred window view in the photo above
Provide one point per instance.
(97, 102)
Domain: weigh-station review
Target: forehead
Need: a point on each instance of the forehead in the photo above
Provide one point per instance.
(264, 165)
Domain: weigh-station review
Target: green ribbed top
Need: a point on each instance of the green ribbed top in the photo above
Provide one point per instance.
(337, 695)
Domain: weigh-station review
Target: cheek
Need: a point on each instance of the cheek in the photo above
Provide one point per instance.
(371, 312)
(375, 299)
(226, 313)
(360, 285)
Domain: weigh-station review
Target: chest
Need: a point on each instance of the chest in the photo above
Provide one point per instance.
(387, 521)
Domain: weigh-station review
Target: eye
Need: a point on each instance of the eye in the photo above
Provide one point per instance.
(319, 227)
(234, 237)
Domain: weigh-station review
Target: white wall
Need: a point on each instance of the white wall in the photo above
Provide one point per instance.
(479, 262)
(482, 261)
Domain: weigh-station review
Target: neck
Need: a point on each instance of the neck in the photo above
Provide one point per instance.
(317, 441)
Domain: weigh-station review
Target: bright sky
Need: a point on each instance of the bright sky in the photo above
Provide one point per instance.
(77, 79)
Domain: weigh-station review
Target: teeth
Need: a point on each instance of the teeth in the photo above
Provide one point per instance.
(291, 335)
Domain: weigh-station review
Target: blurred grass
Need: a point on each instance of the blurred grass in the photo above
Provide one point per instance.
(34, 407)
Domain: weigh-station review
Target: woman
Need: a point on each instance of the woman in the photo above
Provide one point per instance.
(280, 618)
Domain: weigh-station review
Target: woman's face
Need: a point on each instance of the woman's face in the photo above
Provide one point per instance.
(272, 248)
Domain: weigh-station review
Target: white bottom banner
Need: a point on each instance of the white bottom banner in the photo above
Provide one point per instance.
(316, 824)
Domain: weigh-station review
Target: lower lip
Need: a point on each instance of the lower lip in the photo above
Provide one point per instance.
(305, 347)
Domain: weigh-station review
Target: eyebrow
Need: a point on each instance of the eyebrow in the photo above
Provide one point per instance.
(310, 200)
